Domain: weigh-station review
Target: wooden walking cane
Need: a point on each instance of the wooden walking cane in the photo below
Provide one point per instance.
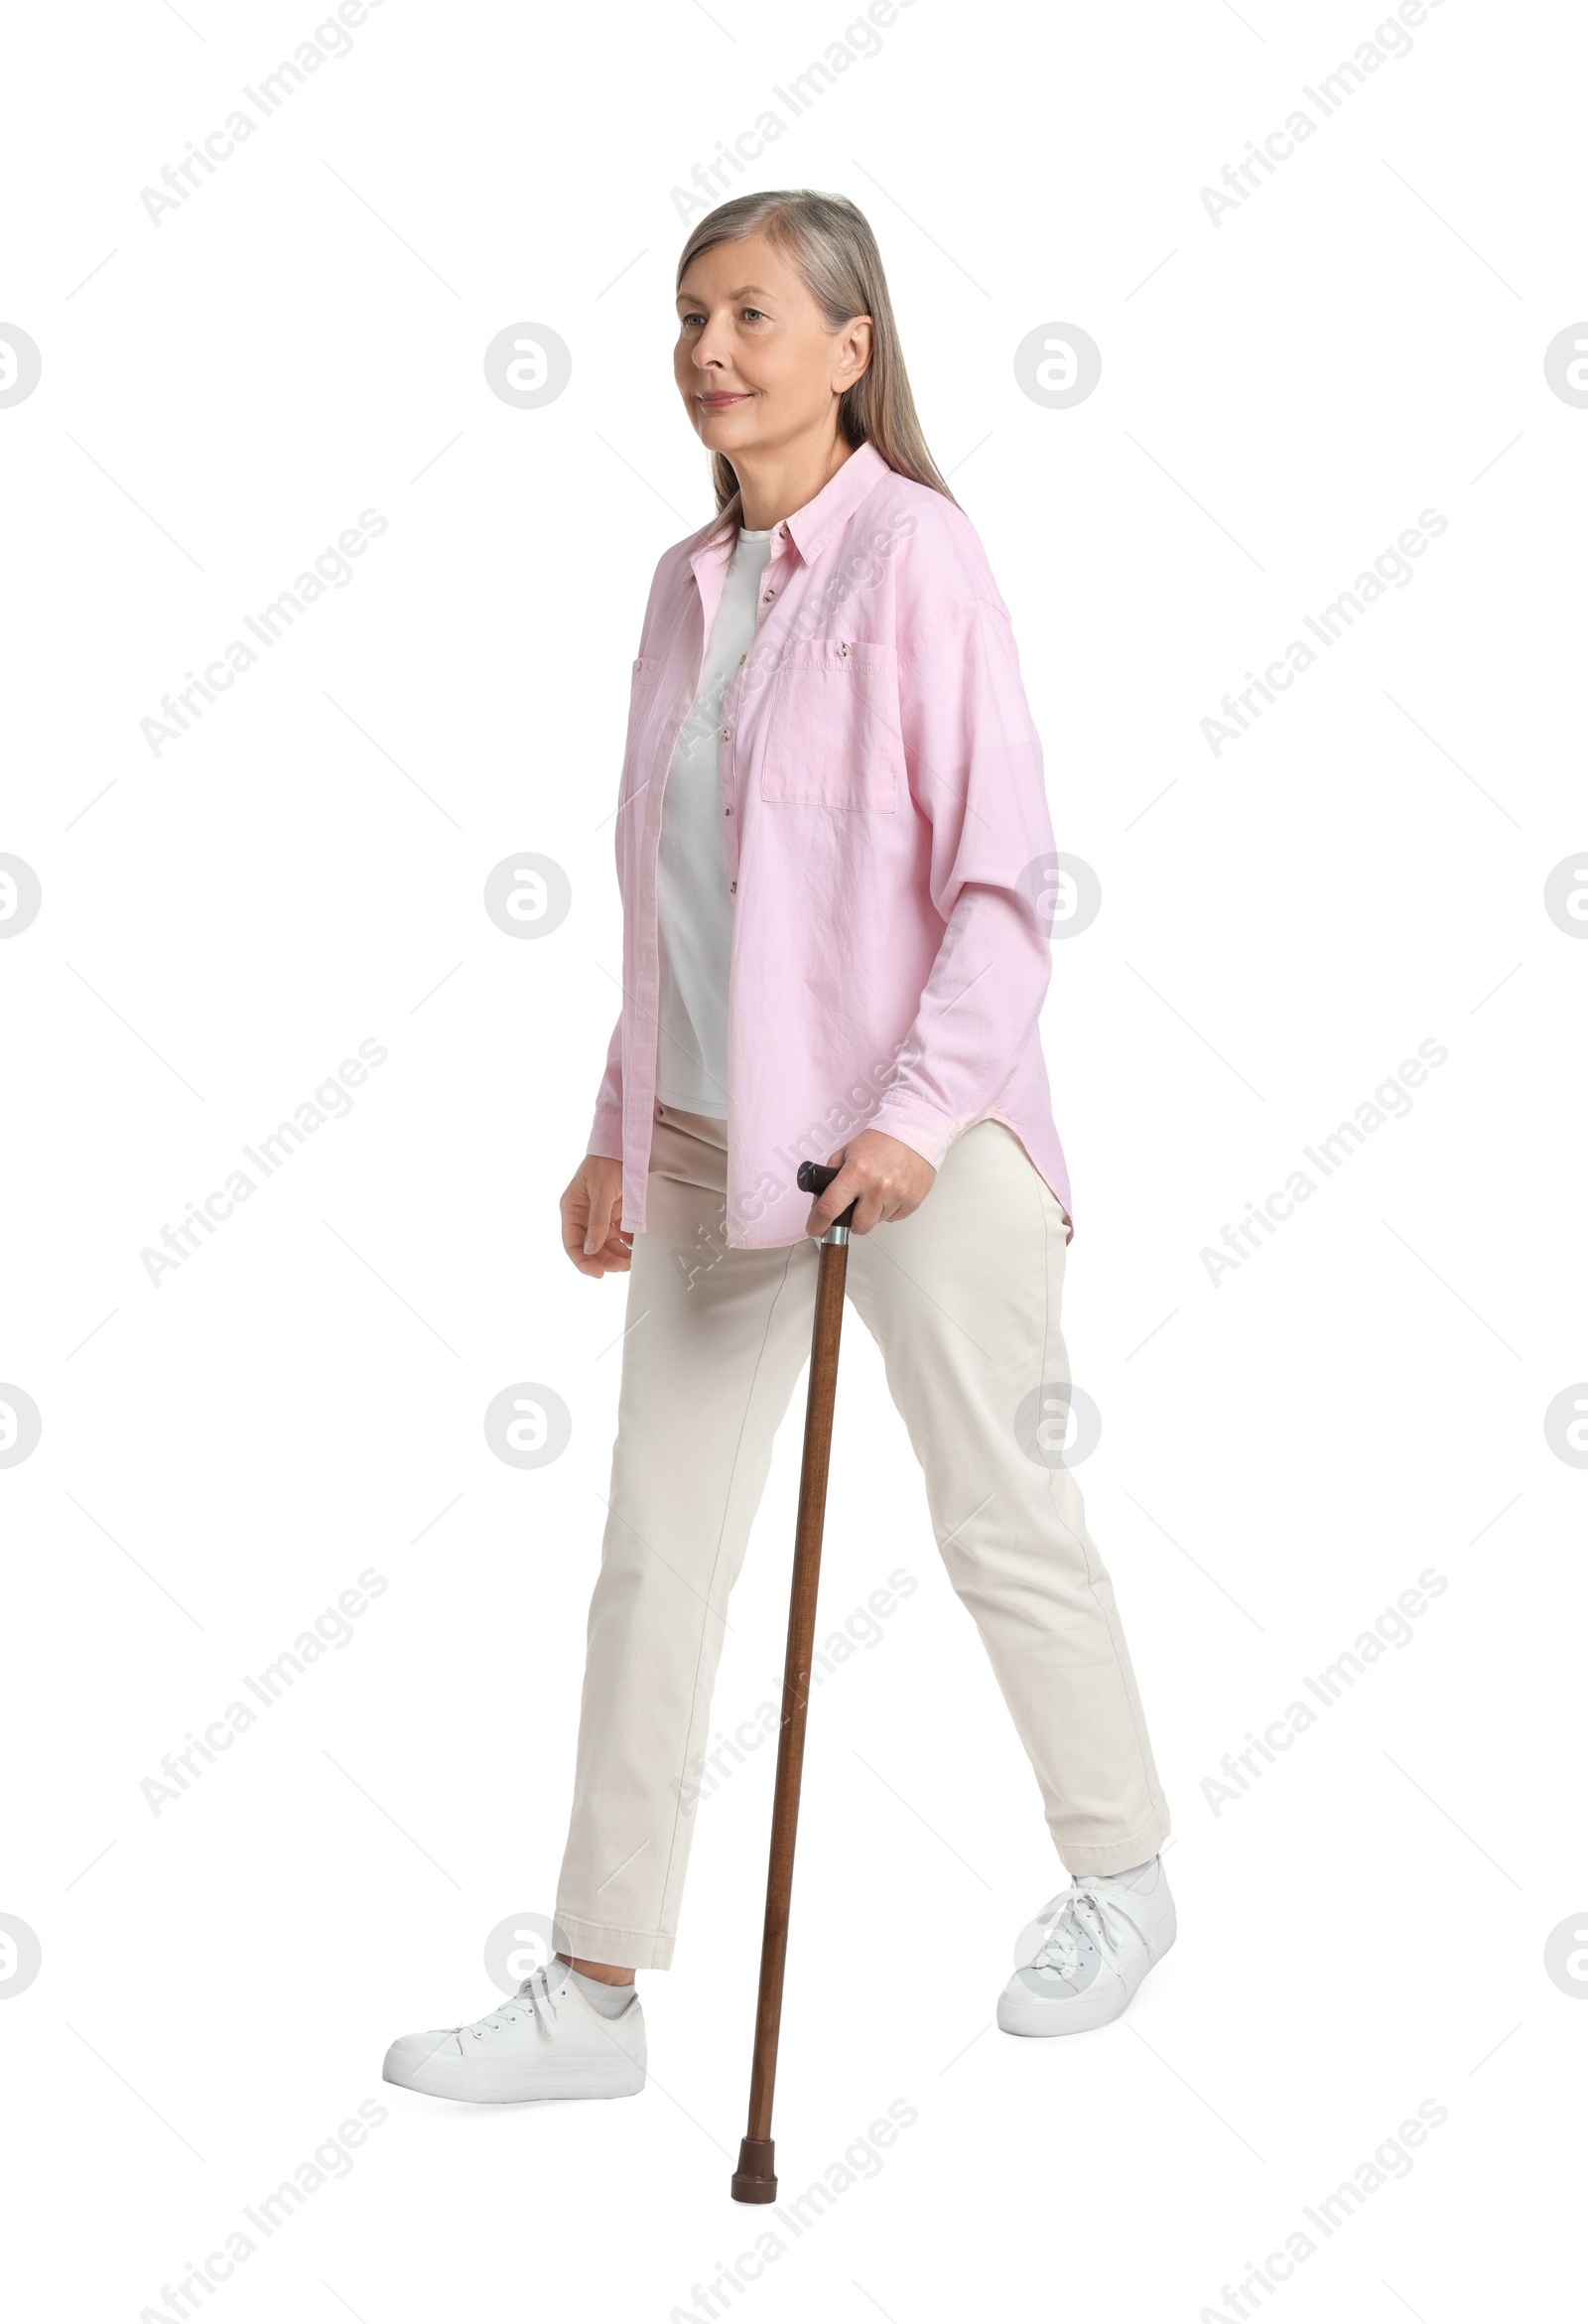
(755, 2181)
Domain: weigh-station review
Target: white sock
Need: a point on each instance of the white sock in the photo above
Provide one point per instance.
(610, 2000)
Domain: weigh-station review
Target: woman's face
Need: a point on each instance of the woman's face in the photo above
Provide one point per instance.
(756, 366)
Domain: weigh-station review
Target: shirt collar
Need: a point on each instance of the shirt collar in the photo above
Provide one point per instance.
(812, 526)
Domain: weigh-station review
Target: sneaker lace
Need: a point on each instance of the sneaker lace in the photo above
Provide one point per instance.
(536, 1997)
(1087, 1906)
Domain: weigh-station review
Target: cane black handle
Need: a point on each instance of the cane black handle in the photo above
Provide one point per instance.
(815, 1178)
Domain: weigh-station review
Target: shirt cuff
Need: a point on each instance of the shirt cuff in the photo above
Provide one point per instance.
(921, 1127)
(606, 1132)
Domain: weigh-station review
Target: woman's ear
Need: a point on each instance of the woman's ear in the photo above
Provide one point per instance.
(856, 351)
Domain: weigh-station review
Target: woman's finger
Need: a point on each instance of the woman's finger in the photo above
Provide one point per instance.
(597, 1216)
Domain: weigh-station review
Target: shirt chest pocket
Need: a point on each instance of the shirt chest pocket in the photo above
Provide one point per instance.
(642, 690)
(644, 715)
(833, 735)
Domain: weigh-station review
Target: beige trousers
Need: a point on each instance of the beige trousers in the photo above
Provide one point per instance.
(962, 1300)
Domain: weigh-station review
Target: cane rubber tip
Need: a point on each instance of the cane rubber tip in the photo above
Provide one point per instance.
(754, 2181)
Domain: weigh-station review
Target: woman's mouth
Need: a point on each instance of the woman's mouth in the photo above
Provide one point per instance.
(721, 401)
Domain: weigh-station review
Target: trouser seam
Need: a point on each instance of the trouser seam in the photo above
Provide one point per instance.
(1085, 1553)
(716, 1560)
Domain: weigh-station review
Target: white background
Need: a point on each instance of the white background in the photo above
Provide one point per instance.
(1282, 393)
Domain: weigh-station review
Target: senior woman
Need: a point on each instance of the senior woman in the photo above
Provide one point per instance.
(832, 842)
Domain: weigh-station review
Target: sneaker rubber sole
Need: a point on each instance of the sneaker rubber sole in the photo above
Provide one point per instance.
(506, 2081)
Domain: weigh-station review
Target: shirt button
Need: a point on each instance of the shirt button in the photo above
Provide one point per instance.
(769, 596)
(728, 810)
(727, 734)
(782, 532)
(732, 887)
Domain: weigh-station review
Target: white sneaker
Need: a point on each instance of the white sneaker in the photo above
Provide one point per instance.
(1087, 1951)
(548, 2041)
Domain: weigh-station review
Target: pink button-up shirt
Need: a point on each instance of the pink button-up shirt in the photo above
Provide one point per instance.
(889, 850)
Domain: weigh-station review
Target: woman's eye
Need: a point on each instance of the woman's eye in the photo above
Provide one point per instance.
(755, 311)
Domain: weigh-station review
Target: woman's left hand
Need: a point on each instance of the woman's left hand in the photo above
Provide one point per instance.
(882, 1176)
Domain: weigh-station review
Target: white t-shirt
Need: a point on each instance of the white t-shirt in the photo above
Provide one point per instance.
(695, 915)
